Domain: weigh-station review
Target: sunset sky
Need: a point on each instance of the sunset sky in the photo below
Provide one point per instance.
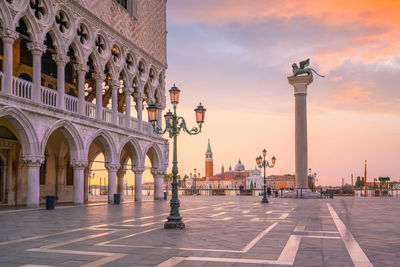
(234, 57)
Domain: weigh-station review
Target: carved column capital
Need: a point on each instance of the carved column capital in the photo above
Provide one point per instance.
(300, 83)
(121, 172)
(138, 95)
(33, 160)
(114, 84)
(36, 48)
(113, 167)
(99, 76)
(138, 169)
(61, 59)
(79, 164)
(157, 172)
(81, 68)
(8, 36)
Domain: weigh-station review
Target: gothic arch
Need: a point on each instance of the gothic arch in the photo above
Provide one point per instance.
(71, 134)
(134, 151)
(34, 29)
(108, 144)
(5, 16)
(156, 156)
(25, 130)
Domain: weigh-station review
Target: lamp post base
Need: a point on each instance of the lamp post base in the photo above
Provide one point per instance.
(264, 200)
(174, 223)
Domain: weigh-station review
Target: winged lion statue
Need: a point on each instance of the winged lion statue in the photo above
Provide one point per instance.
(303, 70)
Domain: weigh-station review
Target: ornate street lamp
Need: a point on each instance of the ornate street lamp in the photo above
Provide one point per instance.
(262, 163)
(174, 124)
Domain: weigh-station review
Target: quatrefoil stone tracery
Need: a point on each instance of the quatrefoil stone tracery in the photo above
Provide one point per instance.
(37, 8)
(62, 21)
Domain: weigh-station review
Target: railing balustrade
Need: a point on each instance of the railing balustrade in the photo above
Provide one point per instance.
(121, 119)
(21, 88)
(48, 96)
(71, 103)
(107, 114)
(1, 81)
(91, 110)
(134, 123)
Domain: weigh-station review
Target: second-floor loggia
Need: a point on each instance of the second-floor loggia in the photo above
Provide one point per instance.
(39, 73)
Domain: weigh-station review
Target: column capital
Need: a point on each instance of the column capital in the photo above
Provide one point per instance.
(36, 48)
(61, 59)
(8, 36)
(99, 76)
(121, 172)
(113, 167)
(33, 160)
(138, 169)
(81, 68)
(79, 164)
(300, 83)
(138, 95)
(156, 171)
(128, 92)
(114, 84)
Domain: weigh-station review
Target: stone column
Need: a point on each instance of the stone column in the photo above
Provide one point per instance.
(120, 190)
(79, 168)
(300, 84)
(158, 184)
(8, 38)
(128, 108)
(112, 169)
(114, 85)
(81, 71)
(86, 185)
(61, 60)
(139, 108)
(37, 49)
(138, 183)
(33, 164)
(99, 77)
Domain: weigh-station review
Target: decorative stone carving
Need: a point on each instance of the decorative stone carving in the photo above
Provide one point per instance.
(157, 172)
(36, 48)
(33, 160)
(138, 169)
(113, 167)
(8, 36)
(79, 164)
(61, 59)
(99, 76)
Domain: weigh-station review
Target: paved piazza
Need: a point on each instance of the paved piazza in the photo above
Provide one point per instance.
(220, 231)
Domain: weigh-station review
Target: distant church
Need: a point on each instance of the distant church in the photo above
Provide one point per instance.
(227, 179)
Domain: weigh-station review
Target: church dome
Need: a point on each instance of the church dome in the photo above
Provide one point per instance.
(239, 166)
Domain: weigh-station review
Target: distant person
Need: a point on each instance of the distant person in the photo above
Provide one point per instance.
(269, 191)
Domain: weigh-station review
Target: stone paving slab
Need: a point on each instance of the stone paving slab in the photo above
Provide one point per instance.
(220, 231)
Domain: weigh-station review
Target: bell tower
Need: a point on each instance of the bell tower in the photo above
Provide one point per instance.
(209, 161)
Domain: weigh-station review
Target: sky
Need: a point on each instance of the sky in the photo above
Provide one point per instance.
(235, 56)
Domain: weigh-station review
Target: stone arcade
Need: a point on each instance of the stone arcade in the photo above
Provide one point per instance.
(71, 69)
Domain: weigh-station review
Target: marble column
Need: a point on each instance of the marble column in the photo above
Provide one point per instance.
(79, 168)
(99, 77)
(114, 86)
(158, 184)
(61, 60)
(160, 118)
(37, 50)
(112, 169)
(81, 70)
(139, 108)
(300, 84)
(128, 108)
(138, 183)
(86, 185)
(120, 189)
(33, 164)
(8, 37)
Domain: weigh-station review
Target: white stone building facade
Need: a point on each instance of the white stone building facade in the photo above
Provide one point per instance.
(76, 76)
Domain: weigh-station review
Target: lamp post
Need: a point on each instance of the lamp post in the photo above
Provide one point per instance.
(262, 163)
(174, 124)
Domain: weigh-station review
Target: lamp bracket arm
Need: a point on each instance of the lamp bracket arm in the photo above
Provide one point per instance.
(182, 126)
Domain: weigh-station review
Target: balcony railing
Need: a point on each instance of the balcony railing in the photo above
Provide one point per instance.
(107, 114)
(24, 89)
(71, 103)
(121, 119)
(21, 88)
(48, 96)
(91, 110)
